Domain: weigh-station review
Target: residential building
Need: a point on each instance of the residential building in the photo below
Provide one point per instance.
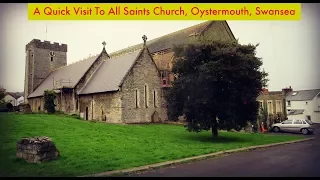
(304, 104)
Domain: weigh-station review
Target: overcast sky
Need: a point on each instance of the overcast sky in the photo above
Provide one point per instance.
(290, 49)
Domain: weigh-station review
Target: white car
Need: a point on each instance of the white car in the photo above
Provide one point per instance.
(295, 125)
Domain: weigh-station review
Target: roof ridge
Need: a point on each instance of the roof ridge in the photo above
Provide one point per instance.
(125, 53)
(170, 34)
(307, 90)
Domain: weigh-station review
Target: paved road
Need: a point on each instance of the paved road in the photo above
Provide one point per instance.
(292, 160)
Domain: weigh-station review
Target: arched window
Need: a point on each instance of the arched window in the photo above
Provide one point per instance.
(154, 98)
(137, 98)
(146, 96)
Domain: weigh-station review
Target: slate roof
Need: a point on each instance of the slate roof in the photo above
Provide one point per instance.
(303, 95)
(110, 74)
(16, 95)
(167, 41)
(296, 111)
(74, 72)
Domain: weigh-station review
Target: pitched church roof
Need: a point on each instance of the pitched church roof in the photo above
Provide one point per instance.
(75, 71)
(110, 73)
(178, 37)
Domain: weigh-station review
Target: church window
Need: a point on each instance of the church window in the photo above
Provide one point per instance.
(154, 98)
(77, 104)
(146, 98)
(137, 98)
(51, 58)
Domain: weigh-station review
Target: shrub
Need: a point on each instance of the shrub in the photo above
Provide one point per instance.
(49, 97)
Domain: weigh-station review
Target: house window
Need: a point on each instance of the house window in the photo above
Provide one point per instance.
(154, 99)
(137, 98)
(289, 103)
(309, 118)
(146, 96)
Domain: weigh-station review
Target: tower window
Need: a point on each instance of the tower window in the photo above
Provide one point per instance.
(51, 58)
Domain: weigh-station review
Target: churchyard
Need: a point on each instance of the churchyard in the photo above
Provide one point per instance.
(91, 147)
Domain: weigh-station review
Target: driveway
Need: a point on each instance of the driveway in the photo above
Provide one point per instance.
(292, 160)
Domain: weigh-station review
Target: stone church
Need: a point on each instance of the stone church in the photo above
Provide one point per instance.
(126, 86)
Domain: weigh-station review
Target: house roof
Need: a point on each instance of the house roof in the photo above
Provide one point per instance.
(303, 95)
(296, 111)
(110, 73)
(72, 72)
(16, 95)
(167, 41)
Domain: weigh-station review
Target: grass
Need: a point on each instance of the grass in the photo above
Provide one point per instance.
(88, 147)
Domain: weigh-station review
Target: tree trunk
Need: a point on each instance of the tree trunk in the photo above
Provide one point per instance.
(214, 132)
(214, 129)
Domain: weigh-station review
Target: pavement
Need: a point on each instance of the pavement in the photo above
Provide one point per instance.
(292, 160)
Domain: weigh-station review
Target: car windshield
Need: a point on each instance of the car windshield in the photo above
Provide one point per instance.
(309, 122)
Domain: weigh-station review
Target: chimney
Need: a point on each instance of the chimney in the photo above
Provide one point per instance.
(285, 91)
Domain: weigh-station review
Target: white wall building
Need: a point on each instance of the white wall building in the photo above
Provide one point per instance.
(20, 100)
(304, 104)
(10, 99)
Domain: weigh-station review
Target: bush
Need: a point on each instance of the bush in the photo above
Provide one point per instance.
(9, 106)
(49, 97)
(76, 116)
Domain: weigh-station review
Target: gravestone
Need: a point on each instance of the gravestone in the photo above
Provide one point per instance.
(37, 149)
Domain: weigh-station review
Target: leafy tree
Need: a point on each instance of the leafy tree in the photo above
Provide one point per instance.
(49, 97)
(2, 92)
(216, 85)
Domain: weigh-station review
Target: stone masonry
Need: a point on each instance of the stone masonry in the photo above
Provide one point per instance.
(39, 62)
(37, 149)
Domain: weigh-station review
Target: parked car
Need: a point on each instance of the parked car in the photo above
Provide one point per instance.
(296, 126)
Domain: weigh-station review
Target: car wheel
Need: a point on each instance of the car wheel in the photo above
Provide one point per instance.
(305, 131)
(276, 129)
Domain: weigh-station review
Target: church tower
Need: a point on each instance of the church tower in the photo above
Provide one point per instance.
(41, 59)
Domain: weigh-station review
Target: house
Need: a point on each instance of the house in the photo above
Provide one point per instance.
(304, 104)
(13, 98)
(10, 98)
(20, 100)
(126, 86)
(274, 101)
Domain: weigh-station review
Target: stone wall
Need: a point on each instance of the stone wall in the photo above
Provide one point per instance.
(163, 59)
(143, 74)
(103, 107)
(276, 99)
(36, 104)
(37, 149)
(39, 63)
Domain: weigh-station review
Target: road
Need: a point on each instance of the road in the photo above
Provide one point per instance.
(292, 160)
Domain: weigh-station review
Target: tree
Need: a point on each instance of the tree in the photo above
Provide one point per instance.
(49, 97)
(216, 85)
(2, 92)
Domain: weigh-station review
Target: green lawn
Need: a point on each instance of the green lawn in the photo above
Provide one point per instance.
(88, 147)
